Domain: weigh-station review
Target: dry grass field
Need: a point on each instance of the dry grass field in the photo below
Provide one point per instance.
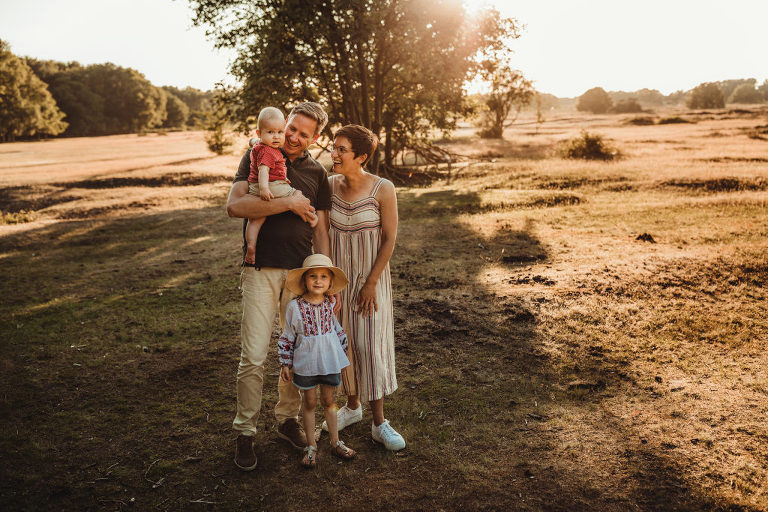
(571, 335)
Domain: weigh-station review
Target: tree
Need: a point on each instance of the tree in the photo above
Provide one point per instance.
(103, 99)
(763, 88)
(395, 66)
(706, 95)
(510, 91)
(198, 102)
(728, 86)
(177, 110)
(628, 105)
(595, 100)
(26, 106)
(650, 97)
(746, 93)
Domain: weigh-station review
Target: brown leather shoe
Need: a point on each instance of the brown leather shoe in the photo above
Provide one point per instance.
(245, 458)
(291, 431)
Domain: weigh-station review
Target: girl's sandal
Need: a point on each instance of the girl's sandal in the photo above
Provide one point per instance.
(310, 457)
(343, 452)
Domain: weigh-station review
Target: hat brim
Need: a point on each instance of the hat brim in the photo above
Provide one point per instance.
(294, 284)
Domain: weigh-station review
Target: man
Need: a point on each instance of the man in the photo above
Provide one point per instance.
(283, 243)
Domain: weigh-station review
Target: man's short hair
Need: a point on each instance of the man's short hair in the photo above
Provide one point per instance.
(269, 114)
(313, 111)
(362, 140)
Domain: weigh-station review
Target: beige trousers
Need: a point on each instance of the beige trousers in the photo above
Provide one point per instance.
(263, 293)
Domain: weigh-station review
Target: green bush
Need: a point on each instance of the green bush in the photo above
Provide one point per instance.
(588, 146)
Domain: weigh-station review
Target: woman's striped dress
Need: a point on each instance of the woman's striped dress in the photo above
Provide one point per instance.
(355, 233)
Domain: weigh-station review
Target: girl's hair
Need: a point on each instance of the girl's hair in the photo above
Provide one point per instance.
(304, 279)
(363, 140)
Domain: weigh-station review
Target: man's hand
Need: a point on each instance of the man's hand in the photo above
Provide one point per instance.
(300, 205)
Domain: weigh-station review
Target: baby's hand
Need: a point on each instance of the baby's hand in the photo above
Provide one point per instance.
(265, 194)
(285, 374)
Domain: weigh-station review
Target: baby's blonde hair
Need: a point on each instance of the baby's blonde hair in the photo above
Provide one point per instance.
(269, 114)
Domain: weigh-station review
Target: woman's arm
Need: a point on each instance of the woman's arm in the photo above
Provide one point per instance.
(387, 199)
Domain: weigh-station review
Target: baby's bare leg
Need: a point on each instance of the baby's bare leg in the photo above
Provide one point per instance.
(251, 235)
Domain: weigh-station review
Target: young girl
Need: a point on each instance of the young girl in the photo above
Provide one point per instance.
(312, 347)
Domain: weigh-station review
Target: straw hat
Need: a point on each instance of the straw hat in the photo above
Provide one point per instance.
(293, 281)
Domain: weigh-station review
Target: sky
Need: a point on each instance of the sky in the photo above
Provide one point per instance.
(566, 47)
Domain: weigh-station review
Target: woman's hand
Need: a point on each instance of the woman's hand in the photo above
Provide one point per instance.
(366, 300)
(285, 374)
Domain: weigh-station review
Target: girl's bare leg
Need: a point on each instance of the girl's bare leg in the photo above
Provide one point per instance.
(329, 411)
(309, 402)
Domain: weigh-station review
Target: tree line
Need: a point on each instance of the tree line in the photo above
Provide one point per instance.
(47, 98)
(705, 95)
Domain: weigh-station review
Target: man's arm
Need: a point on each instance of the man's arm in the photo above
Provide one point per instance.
(320, 239)
(242, 205)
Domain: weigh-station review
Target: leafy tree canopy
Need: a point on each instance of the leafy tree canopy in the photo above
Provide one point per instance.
(595, 100)
(746, 93)
(706, 95)
(510, 92)
(26, 106)
(395, 66)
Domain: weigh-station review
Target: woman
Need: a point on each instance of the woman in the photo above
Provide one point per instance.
(363, 227)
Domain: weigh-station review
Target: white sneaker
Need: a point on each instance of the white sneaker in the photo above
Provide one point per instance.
(387, 436)
(346, 416)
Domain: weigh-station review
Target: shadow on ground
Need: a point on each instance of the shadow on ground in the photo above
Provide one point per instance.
(119, 357)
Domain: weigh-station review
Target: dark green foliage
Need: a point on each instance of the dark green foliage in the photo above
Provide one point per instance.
(396, 67)
(510, 91)
(26, 106)
(595, 100)
(103, 99)
(706, 95)
(177, 111)
(198, 102)
(629, 105)
(588, 146)
(218, 135)
(746, 93)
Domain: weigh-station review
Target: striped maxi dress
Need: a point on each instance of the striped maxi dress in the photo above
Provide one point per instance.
(355, 238)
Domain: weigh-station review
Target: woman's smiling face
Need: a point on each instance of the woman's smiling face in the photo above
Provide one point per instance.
(343, 156)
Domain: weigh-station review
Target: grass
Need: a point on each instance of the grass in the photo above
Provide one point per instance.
(547, 359)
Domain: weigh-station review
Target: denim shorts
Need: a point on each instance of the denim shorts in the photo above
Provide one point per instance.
(310, 382)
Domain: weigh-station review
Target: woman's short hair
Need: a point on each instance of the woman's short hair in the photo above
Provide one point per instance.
(363, 140)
